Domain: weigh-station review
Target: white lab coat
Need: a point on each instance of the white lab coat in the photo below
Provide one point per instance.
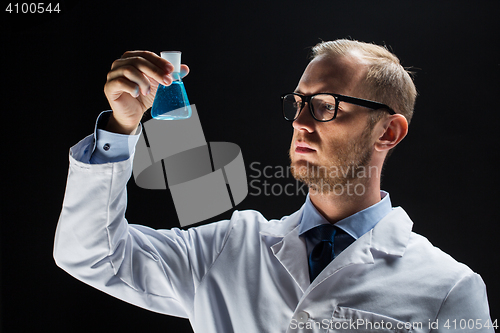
(248, 274)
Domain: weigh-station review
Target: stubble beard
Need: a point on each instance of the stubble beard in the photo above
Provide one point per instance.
(347, 168)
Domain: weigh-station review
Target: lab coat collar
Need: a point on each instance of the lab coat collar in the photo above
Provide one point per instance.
(390, 236)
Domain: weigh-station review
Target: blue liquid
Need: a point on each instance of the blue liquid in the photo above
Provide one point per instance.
(171, 102)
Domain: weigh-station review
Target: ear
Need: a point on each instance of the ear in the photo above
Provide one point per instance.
(394, 129)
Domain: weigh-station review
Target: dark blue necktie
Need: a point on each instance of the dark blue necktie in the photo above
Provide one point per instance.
(332, 241)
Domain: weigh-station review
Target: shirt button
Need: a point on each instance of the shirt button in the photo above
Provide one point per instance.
(302, 316)
(106, 147)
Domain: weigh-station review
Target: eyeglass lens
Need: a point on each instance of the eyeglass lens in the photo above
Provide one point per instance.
(323, 106)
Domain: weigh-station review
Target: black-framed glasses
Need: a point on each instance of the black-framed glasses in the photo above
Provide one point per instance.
(323, 106)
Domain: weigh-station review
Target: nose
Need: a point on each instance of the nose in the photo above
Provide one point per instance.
(304, 121)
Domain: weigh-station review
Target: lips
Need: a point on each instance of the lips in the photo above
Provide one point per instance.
(303, 148)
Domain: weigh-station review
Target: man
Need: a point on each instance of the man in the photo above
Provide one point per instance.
(345, 261)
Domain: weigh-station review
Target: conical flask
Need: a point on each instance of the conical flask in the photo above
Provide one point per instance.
(171, 102)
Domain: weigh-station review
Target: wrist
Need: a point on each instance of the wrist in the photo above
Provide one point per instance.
(114, 126)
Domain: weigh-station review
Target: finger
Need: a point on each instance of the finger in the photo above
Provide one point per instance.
(152, 58)
(144, 66)
(115, 88)
(184, 70)
(132, 74)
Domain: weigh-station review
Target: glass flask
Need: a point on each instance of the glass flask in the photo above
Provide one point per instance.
(171, 102)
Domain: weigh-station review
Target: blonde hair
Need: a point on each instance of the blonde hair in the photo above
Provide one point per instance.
(387, 81)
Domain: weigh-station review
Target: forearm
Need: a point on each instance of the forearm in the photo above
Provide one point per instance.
(92, 215)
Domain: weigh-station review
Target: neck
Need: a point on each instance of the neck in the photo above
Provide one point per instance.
(335, 207)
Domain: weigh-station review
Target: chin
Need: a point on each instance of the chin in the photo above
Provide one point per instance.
(301, 167)
(296, 158)
(299, 162)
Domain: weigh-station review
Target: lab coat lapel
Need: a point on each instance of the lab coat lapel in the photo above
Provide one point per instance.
(390, 236)
(289, 248)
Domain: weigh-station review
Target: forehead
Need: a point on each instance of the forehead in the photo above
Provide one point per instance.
(333, 74)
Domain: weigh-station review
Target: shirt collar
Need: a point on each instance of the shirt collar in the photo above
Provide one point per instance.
(355, 225)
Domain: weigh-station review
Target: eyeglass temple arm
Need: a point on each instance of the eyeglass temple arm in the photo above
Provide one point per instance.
(365, 103)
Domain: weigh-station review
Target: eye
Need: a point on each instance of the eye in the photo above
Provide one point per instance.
(329, 107)
(297, 104)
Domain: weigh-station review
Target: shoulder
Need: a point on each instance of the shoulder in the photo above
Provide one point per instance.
(254, 219)
(437, 263)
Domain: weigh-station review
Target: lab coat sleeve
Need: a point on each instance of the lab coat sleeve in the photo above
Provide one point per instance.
(465, 309)
(155, 269)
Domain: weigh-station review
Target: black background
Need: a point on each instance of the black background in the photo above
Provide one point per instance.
(242, 56)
